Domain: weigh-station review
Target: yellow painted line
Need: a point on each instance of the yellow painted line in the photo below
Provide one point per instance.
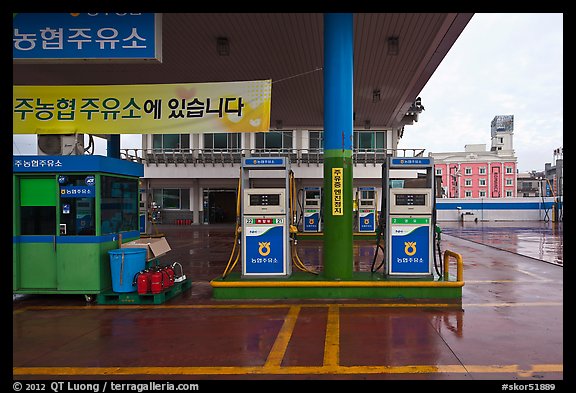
(398, 305)
(156, 306)
(281, 344)
(335, 369)
(287, 305)
(533, 275)
(332, 341)
(336, 284)
(227, 306)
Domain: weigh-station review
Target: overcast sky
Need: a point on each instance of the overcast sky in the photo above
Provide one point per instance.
(502, 64)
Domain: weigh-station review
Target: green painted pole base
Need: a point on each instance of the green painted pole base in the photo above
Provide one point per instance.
(338, 217)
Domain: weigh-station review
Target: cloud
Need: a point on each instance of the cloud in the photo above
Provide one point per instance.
(501, 64)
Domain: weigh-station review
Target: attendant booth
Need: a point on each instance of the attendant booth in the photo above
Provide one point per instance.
(68, 212)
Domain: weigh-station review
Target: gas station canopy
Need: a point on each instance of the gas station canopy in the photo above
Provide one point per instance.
(395, 54)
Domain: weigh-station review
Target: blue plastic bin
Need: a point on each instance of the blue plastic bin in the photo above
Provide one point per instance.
(124, 264)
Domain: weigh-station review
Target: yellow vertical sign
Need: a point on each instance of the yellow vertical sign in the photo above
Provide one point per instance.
(337, 203)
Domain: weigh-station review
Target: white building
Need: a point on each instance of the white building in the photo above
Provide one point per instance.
(194, 177)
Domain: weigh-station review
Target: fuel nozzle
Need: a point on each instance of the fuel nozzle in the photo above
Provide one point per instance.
(438, 231)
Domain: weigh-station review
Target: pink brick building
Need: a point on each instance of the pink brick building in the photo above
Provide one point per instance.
(480, 173)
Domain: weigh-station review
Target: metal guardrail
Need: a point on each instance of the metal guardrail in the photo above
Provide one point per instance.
(223, 157)
(459, 265)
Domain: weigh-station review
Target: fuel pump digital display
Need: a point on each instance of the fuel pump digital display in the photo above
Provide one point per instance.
(411, 199)
(264, 199)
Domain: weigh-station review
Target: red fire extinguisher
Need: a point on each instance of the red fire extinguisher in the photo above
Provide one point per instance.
(171, 274)
(156, 281)
(165, 278)
(143, 281)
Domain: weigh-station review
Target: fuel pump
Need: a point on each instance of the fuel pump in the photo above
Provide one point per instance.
(409, 216)
(311, 207)
(367, 209)
(265, 219)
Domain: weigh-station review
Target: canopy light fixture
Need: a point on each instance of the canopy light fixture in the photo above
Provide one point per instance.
(393, 46)
(222, 46)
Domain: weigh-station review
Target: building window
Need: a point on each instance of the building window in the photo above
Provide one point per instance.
(482, 170)
(467, 171)
(119, 204)
(172, 198)
(508, 194)
(170, 141)
(274, 140)
(468, 182)
(468, 194)
(509, 182)
(509, 169)
(369, 140)
(438, 171)
(482, 194)
(316, 140)
(481, 182)
(222, 140)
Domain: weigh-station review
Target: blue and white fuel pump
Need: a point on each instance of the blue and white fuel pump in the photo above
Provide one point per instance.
(367, 209)
(265, 218)
(312, 209)
(409, 202)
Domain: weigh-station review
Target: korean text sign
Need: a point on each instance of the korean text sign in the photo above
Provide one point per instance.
(143, 109)
(86, 36)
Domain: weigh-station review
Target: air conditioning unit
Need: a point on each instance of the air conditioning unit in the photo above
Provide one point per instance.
(60, 144)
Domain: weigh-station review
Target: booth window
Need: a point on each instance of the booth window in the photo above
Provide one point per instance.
(38, 206)
(37, 220)
(77, 205)
(119, 204)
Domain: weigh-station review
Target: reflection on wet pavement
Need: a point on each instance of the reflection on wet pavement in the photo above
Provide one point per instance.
(509, 326)
(536, 239)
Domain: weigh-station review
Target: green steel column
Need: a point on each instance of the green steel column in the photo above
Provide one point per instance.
(338, 125)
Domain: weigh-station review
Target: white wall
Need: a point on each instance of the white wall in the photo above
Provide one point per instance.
(495, 209)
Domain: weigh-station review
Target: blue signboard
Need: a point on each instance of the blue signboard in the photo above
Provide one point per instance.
(410, 161)
(312, 221)
(72, 36)
(264, 250)
(264, 162)
(83, 163)
(367, 221)
(77, 192)
(410, 246)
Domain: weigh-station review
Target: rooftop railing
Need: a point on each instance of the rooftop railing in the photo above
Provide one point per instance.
(232, 157)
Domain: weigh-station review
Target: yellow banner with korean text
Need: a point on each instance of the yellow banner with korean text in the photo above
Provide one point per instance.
(337, 192)
(143, 109)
